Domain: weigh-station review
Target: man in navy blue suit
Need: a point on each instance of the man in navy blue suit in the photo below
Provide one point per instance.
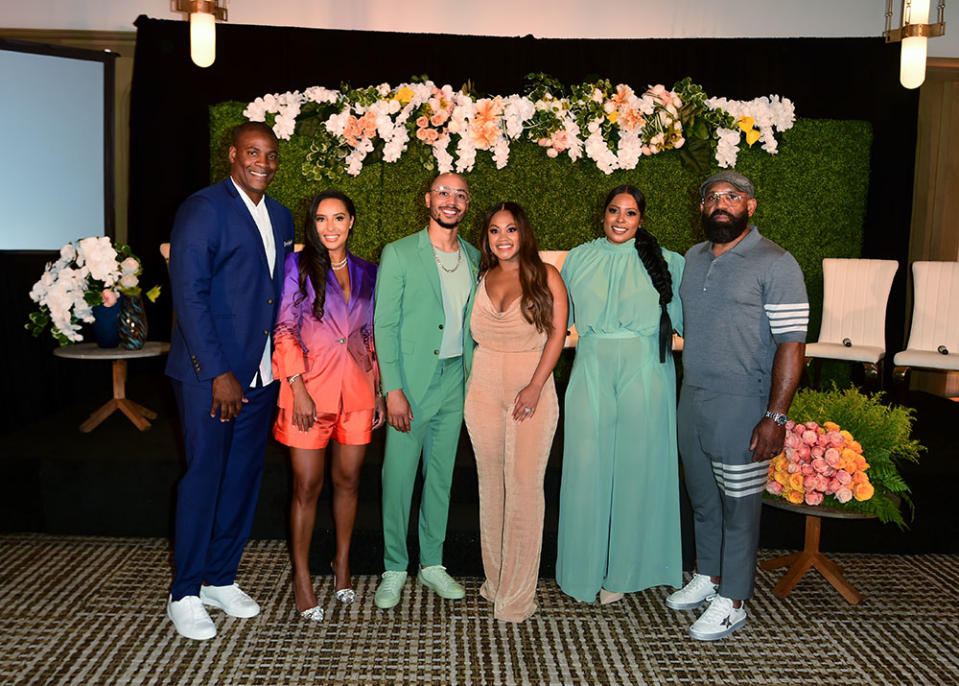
(227, 250)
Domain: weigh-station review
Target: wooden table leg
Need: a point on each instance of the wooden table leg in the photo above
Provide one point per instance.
(135, 412)
(808, 557)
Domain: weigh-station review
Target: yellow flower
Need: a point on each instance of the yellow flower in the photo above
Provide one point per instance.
(830, 426)
(613, 116)
(795, 497)
(782, 477)
(746, 124)
(404, 95)
(796, 481)
(846, 436)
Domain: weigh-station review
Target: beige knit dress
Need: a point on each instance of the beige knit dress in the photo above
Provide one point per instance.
(511, 456)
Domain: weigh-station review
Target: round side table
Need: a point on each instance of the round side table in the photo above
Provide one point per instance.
(136, 413)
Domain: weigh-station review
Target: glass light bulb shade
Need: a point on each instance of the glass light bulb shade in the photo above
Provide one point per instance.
(912, 64)
(919, 12)
(202, 39)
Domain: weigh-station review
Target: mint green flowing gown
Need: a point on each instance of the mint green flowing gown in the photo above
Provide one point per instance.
(619, 499)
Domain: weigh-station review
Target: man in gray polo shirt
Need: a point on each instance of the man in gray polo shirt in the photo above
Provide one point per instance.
(745, 312)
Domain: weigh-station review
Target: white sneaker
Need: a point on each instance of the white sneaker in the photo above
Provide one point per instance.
(719, 620)
(698, 591)
(190, 618)
(230, 599)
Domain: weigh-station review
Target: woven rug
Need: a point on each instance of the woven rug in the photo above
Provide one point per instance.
(91, 611)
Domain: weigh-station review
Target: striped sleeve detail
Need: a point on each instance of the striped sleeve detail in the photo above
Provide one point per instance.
(741, 481)
(788, 317)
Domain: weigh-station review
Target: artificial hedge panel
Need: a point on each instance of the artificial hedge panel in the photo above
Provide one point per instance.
(812, 194)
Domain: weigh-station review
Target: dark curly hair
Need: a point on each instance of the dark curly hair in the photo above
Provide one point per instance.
(651, 255)
(315, 257)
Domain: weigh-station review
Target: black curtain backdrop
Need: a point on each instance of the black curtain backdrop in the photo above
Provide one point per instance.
(842, 78)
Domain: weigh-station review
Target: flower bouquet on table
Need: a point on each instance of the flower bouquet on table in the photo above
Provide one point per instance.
(842, 450)
(90, 272)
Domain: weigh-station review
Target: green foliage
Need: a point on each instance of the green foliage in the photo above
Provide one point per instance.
(884, 431)
(812, 195)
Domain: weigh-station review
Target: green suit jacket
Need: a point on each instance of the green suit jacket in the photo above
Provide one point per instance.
(408, 319)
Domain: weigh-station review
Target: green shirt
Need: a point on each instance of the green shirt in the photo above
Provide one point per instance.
(456, 284)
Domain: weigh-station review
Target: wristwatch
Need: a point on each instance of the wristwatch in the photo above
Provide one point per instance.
(780, 419)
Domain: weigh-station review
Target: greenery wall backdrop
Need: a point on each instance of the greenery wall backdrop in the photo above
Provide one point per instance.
(811, 195)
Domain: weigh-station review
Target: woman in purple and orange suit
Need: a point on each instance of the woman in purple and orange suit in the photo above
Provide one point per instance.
(325, 359)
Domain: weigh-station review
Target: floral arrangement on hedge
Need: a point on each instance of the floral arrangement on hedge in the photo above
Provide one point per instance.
(612, 125)
(842, 452)
(90, 272)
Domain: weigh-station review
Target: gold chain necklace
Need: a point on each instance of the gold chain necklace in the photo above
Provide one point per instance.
(459, 258)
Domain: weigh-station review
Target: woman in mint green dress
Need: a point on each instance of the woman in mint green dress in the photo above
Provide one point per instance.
(619, 526)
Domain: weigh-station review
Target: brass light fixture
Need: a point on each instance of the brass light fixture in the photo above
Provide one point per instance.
(913, 32)
(203, 17)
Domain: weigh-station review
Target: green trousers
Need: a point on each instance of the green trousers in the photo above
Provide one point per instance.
(434, 434)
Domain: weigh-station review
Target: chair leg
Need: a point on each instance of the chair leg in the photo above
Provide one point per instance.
(900, 383)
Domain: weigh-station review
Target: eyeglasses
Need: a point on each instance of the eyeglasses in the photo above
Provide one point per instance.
(728, 196)
(446, 193)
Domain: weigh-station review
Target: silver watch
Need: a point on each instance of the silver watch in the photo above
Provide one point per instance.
(780, 419)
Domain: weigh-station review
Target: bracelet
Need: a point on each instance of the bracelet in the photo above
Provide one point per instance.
(293, 378)
(780, 419)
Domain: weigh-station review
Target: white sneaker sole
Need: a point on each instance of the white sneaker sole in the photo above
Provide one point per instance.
(673, 605)
(701, 636)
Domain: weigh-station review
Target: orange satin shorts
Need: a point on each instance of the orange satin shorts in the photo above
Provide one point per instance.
(346, 428)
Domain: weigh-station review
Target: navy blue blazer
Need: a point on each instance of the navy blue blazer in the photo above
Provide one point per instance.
(225, 298)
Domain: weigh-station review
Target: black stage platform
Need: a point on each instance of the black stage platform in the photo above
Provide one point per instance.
(117, 481)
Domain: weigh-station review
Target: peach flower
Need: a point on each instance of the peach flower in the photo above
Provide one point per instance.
(807, 469)
(844, 477)
(774, 487)
(816, 452)
(832, 458)
(814, 499)
(820, 465)
(110, 297)
(810, 437)
(844, 495)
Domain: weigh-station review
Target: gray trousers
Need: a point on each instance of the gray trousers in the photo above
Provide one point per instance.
(725, 486)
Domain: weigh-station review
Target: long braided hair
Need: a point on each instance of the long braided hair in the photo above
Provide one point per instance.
(651, 255)
(315, 257)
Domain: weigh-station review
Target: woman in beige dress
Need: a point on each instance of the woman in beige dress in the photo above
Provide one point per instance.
(518, 321)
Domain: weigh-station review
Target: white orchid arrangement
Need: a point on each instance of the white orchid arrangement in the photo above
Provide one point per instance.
(89, 272)
(613, 125)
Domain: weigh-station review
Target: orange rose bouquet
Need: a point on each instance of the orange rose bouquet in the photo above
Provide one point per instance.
(842, 450)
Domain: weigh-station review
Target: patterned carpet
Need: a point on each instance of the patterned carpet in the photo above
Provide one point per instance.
(90, 611)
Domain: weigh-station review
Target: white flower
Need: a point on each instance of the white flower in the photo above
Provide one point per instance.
(128, 281)
(68, 253)
(129, 266)
(500, 150)
(444, 161)
(98, 254)
(394, 106)
(383, 90)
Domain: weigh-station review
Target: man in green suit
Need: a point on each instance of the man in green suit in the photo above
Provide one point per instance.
(423, 287)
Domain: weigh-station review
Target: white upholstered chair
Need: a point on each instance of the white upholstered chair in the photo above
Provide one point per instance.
(855, 295)
(934, 334)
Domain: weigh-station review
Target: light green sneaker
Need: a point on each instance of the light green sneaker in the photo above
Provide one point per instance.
(388, 592)
(442, 584)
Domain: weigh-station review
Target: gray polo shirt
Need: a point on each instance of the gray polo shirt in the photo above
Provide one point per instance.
(737, 308)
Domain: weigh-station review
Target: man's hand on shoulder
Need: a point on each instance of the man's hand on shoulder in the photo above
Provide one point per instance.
(227, 397)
